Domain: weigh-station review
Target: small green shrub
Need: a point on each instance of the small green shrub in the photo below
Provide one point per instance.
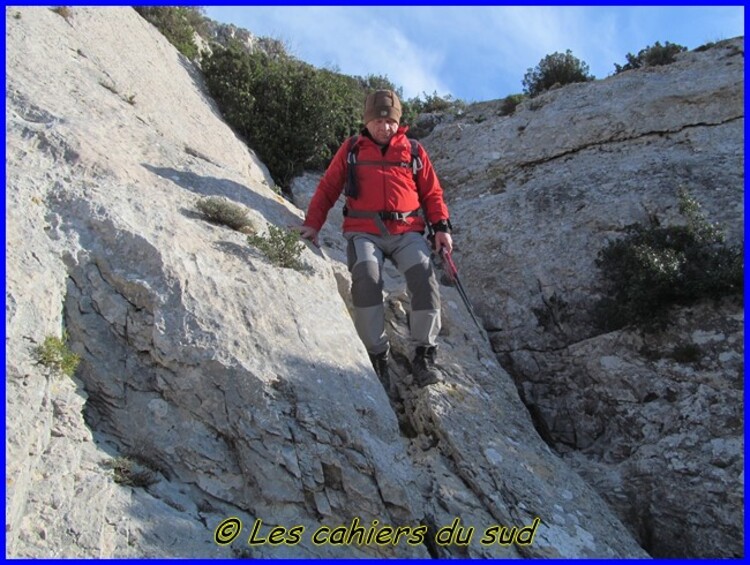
(131, 472)
(282, 247)
(654, 268)
(555, 70)
(63, 11)
(109, 86)
(705, 47)
(221, 211)
(436, 103)
(688, 353)
(509, 104)
(554, 312)
(536, 104)
(651, 56)
(197, 154)
(55, 354)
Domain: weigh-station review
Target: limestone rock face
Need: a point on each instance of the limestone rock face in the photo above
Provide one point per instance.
(654, 422)
(239, 385)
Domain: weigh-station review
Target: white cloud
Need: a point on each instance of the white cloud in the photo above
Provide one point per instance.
(357, 40)
(386, 50)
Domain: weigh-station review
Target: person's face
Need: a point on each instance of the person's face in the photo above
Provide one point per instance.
(382, 129)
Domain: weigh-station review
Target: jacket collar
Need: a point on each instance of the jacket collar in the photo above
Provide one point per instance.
(400, 131)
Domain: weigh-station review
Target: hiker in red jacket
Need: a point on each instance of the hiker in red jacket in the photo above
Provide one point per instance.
(388, 180)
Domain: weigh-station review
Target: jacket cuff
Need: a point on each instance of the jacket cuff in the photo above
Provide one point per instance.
(442, 225)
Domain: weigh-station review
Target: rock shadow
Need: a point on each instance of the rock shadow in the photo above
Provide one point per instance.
(205, 186)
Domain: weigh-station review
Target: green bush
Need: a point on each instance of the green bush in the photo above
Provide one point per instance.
(63, 11)
(510, 103)
(651, 56)
(55, 354)
(177, 24)
(282, 247)
(654, 268)
(555, 70)
(687, 353)
(221, 211)
(704, 47)
(435, 103)
(293, 115)
(132, 472)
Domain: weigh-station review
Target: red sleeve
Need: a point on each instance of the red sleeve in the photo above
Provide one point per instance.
(430, 191)
(328, 190)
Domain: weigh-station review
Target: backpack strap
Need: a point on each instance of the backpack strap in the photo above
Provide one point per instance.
(416, 161)
(416, 166)
(350, 187)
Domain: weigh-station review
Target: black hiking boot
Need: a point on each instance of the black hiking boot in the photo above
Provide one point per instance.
(423, 366)
(380, 364)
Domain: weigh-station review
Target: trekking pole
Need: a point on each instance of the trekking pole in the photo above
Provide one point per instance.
(451, 271)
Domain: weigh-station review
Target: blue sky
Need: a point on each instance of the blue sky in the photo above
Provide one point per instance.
(479, 52)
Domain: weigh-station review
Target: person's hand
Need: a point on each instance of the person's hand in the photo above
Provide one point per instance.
(306, 232)
(443, 241)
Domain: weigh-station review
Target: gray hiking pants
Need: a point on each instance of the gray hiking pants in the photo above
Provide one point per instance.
(411, 255)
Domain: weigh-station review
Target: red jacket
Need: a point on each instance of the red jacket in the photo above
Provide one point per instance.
(381, 188)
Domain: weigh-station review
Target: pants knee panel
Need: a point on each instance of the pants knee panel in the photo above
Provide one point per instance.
(367, 285)
(423, 286)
